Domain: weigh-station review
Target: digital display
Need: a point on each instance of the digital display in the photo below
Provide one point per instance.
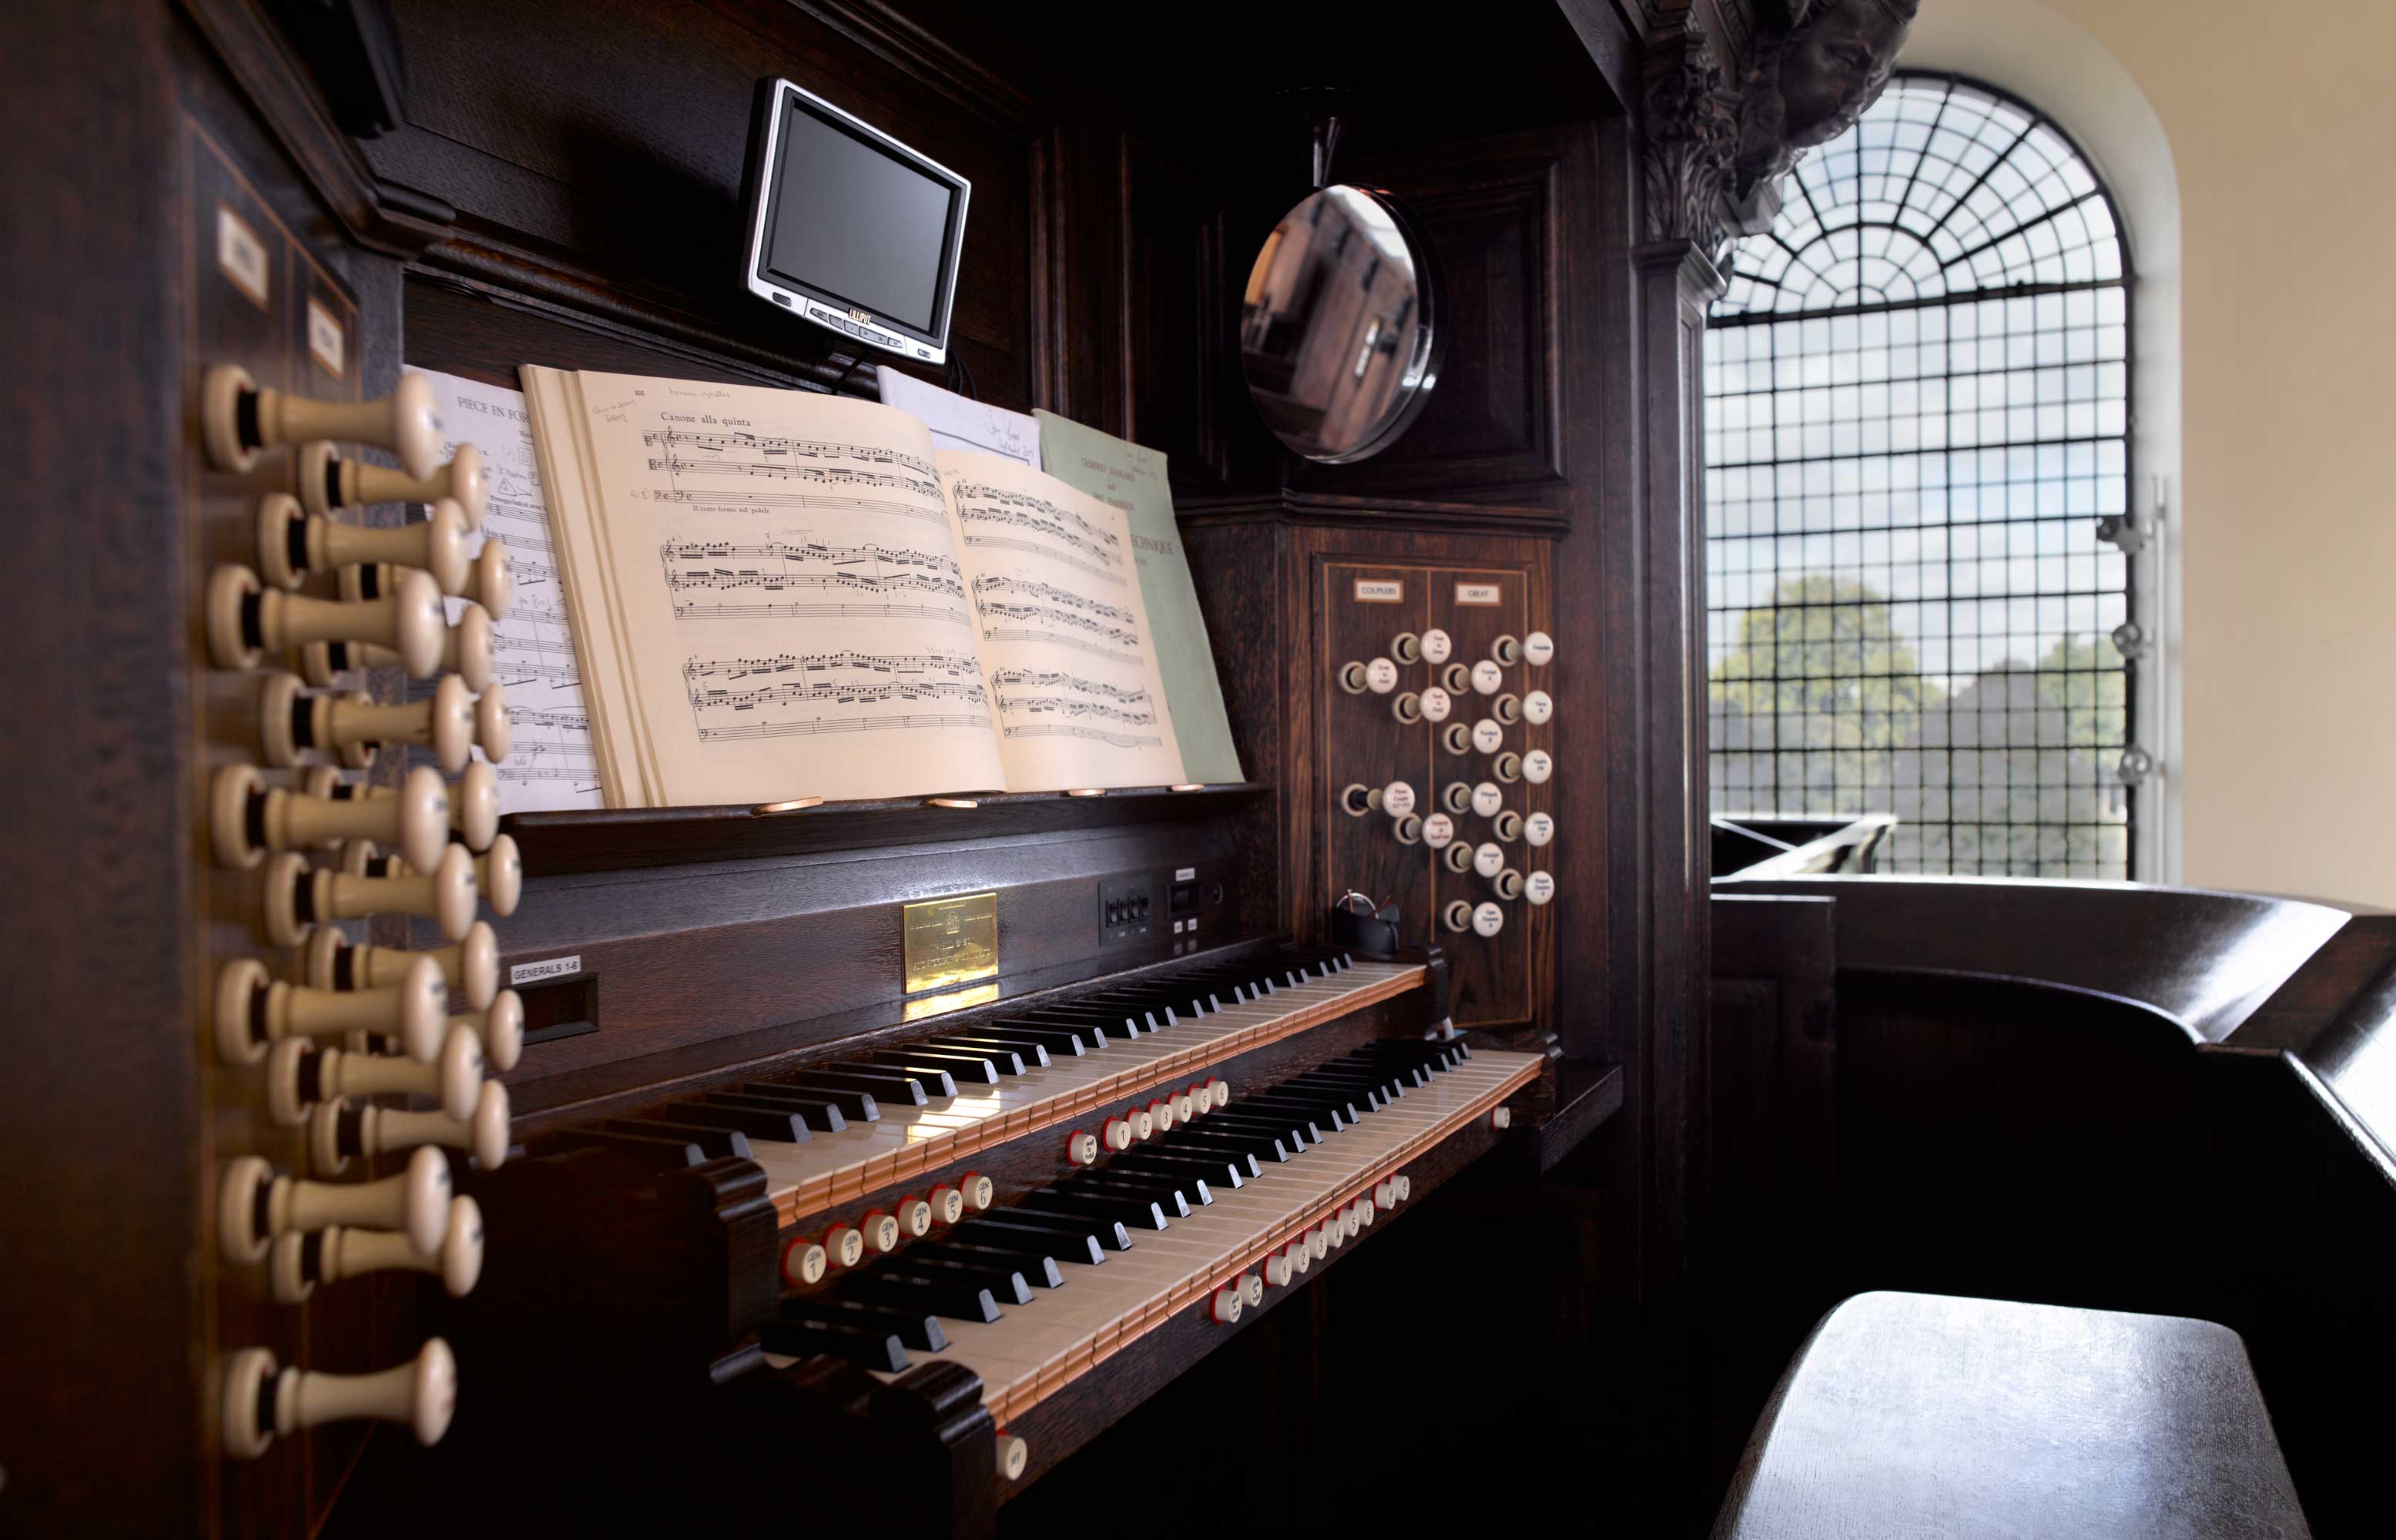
(853, 221)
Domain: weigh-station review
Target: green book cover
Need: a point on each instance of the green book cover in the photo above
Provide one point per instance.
(1133, 479)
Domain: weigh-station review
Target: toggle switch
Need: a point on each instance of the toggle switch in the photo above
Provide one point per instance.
(1437, 646)
(464, 650)
(254, 1205)
(299, 1074)
(246, 621)
(246, 820)
(292, 543)
(297, 1262)
(451, 723)
(474, 800)
(330, 483)
(298, 898)
(341, 1130)
(1406, 647)
(470, 967)
(253, 1013)
(262, 1403)
(1539, 648)
(238, 420)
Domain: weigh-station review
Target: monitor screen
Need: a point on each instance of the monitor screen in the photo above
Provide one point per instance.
(855, 219)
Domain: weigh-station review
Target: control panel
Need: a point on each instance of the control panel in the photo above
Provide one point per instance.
(1127, 910)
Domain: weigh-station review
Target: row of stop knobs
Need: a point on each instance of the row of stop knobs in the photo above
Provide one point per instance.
(356, 1021)
(1285, 1265)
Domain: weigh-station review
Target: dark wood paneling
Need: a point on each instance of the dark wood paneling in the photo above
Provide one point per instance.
(1174, 371)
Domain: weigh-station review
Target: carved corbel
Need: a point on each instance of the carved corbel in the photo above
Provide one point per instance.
(1692, 125)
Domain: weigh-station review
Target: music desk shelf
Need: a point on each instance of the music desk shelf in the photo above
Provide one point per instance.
(617, 839)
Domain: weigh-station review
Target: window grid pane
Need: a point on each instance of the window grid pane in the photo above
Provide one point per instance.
(1917, 393)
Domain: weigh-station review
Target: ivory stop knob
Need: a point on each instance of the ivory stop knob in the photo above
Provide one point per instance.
(341, 1130)
(881, 1231)
(1080, 1148)
(499, 1026)
(1437, 646)
(1224, 1307)
(1435, 703)
(253, 1013)
(451, 723)
(328, 483)
(292, 543)
(486, 579)
(948, 1205)
(463, 649)
(1278, 1269)
(1221, 1090)
(254, 1205)
(1406, 647)
(1507, 768)
(804, 1262)
(1507, 709)
(298, 1263)
(260, 1404)
(979, 1190)
(1540, 887)
(1439, 831)
(238, 420)
(1458, 856)
(1540, 828)
(471, 967)
(1537, 707)
(1456, 737)
(1115, 1133)
(1457, 916)
(246, 820)
(1300, 1254)
(1538, 648)
(1352, 678)
(499, 871)
(1406, 707)
(1252, 1290)
(1507, 825)
(1014, 1456)
(845, 1245)
(1456, 679)
(246, 621)
(474, 800)
(914, 1216)
(1508, 883)
(298, 898)
(298, 1075)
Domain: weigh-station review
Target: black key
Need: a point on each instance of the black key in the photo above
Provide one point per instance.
(1375, 1096)
(869, 1345)
(1000, 1061)
(654, 1151)
(1207, 1136)
(1333, 1099)
(1295, 1131)
(758, 1123)
(842, 1105)
(1059, 1239)
(911, 1327)
(877, 1081)
(1029, 1054)
(1071, 1038)
(1143, 1004)
(1005, 1284)
(1389, 1079)
(1131, 1187)
(1131, 1213)
(963, 1299)
(719, 1143)
(1106, 1024)
(1032, 1259)
(1321, 1115)
(1206, 1168)
(959, 1068)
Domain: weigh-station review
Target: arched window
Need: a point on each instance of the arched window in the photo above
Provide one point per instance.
(1918, 411)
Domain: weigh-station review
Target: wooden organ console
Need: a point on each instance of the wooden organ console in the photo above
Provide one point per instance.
(553, 1167)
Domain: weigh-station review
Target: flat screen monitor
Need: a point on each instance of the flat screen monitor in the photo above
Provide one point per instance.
(850, 228)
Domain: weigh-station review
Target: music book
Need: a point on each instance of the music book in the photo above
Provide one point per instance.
(778, 594)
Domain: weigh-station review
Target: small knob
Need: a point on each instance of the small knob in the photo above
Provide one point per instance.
(979, 1190)
(1505, 651)
(1538, 766)
(948, 1205)
(1318, 1242)
(292, 543)
(254, 1013)
(1538, 648)
(881, 1233)
(474, 800)
(464, 650)
(471, 967)
(1489, 859)
(1456, 679)
(499, 872)
(1486, 677)
(1357, 799)
(338, 1130)
(298, 1263)
(486, 580)
(499, 1026)
(1439, 831)
(1143, 1127)
(1456, 798)
(1398, 799)
(238, 420)
(1380, 676)
(1408, 830)
(1538, 887)
(1507, 825)
(1507, 768)
(328, 483)
(1487, 920)
(451, 723)
(1540, 828)
(246, 621)
(805, 1261)
(1223, 1308)
(1080, 1148)
(1437, 703)
(914, 1216)
(1508, 883)
(1457, 738)
(1487, 799)
(1457, 857)
(1457, 916)
(1507, 709)
(845, 1245)
(1188, 1102)
(1406, 647)
(297, 898)
(1406, 707)
(260, 1404)
(1014, 1456)
(1252, 1290)
(1437, 646)
(1487, 737)
(246, 819)
(1160, 1114)
(1278, 1269)
(1300, 1254)
(1538, 708)
(254, 1205)
(1352, 678)
(1115, 1133)
(299, 1074)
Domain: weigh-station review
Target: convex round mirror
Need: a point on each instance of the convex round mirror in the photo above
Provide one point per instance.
(1340, 330)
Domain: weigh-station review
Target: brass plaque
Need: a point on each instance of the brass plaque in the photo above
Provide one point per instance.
(955, 1000)
(951, 941)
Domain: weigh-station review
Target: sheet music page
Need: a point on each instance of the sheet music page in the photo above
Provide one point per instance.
(1065, 638)
(961, 422)
(790, 599)
(551, 761)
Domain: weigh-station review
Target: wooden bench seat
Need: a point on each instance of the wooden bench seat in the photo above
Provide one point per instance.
(1913, 1415)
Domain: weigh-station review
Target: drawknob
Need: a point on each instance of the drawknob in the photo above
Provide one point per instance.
(246, 820)
(948, 1205)
(298, 1075)
(1436, 645)
(254, 1205)
(805, 1261)
(1458, 915)
(474, 800)
(1537, 707)
(328, 483)
(499, 871)
(1380, 676)
(451, 723)
(1408, 830)
(298, 1263)
(881, 1233)
(1456, 679)
(1406, 647)
(1507, 709)
(843, 1246)
(298, 898)
(1080, 1148)
(1352, 678)
(293, 543)
(1357, 799)
(254, 1013)
(463, 649)
(238, 420)
(1457, 857)
(499, 1027)
(1457, 738)
(1437, 703)
(1013, 1455)
(1538, 887)
(1509, 883)
(260, 1404)
(246, 621)
(1507, 768)
(1406, 708)
(1505, 651)
(1487, 859)
(471, 967)
(1507, 825)
(487, 580)
(1439, 830)
(1487, 919)
(1537, 649)
(1456, 799)
(1224, 1307)
(1538, 766)
(340, 1130)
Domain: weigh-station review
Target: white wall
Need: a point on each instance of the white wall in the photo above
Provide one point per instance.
(2249, 148)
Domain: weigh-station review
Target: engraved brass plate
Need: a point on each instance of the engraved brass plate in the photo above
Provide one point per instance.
(955, 1000)
(951, 941)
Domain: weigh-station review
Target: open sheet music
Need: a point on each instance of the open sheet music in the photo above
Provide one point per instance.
(783, 594)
